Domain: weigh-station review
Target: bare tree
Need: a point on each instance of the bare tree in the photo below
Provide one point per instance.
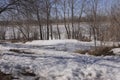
(81, 12)
(72, 6)
(57, 17)
(92, 17)
(38, 9)
(47, 4)
(115, 21)
(7, 5)
(64, 9)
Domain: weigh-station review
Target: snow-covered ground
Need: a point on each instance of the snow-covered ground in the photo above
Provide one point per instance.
(55, 45)
(47, 65)
(63, 45)
(45, 62)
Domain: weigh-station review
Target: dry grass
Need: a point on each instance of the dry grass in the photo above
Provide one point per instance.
(101, 51)
(5, 76)
(21, 51)
(81, 51)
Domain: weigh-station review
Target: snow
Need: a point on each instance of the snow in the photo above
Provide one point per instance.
(49, 61)
(59, 66)
(51, 42)
(62, 45)
(116, 51)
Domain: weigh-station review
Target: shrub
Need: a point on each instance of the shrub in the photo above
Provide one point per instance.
(97, 52)
(101, 51)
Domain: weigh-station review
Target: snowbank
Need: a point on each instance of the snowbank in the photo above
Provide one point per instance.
(55, 42)
(62, 45)
(116, 51)
(51, 42)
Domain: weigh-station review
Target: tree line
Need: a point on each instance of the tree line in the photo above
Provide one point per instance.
(41, 19)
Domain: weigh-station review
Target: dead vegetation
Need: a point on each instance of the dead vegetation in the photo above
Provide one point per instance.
(101, 51)
(20, 51)
(5, 76)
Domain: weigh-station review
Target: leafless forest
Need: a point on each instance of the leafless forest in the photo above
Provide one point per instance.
(42, 19)
(59, 39)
